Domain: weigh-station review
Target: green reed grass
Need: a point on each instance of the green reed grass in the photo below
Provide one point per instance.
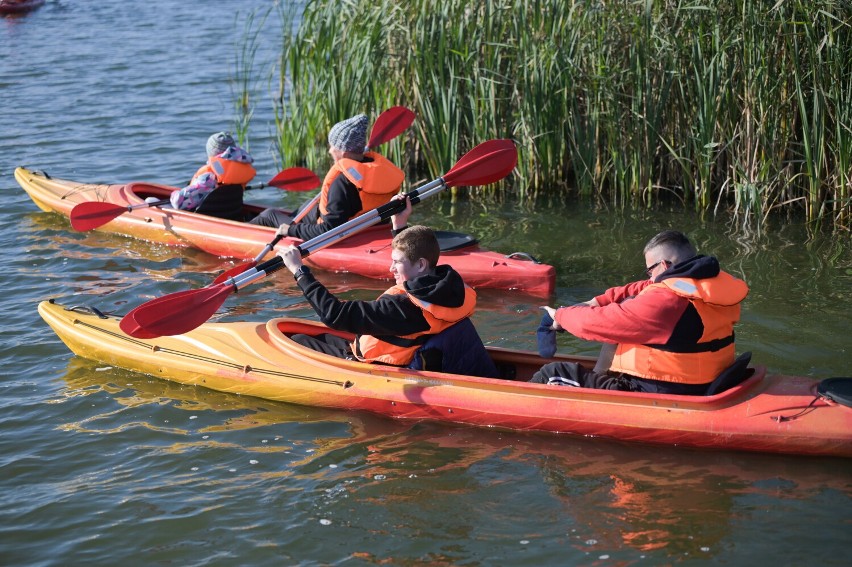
(736, 105)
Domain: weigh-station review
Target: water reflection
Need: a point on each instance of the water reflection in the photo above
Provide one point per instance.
(437, 482)
(598, 495)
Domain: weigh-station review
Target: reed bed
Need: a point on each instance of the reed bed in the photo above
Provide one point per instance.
(736, 105)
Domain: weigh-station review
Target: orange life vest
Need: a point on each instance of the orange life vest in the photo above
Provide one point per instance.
(377, 181)
(399, 351)
(717, 301)
(228, 172)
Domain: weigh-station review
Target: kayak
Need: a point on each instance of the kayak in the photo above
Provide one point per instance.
(764, 413)
(366, 253)
(19, 6)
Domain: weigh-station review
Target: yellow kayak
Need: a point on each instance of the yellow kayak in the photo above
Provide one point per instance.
(766, 413)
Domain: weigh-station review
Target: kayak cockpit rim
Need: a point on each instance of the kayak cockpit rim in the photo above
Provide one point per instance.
(524, 363)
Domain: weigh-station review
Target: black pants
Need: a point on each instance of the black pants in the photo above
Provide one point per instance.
(572, 374)
(326, 343)
(272, 217)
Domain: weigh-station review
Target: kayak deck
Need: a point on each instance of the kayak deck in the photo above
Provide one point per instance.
(366, 253)
(766, 413)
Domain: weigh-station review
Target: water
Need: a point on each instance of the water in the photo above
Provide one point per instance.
(100, 466)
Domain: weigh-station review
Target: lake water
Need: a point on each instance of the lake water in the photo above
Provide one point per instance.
(100, 466)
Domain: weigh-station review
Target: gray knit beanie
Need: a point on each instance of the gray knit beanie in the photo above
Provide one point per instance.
(349, 135)
(218, 143)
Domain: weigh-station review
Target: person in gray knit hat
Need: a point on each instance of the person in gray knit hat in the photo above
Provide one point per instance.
(350, 135)
(358, 181)
(217, 187)
(218, 143)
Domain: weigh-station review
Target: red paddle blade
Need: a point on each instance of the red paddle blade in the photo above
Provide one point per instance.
(132, 328)
(486, 163)
(92, 214)
(295, 179)
(390, 124)
(235, 271)
(176, 313)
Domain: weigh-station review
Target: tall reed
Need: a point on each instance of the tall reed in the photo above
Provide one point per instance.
(243, 80)
(719, 104)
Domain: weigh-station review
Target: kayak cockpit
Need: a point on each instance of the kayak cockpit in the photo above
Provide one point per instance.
(513, 365)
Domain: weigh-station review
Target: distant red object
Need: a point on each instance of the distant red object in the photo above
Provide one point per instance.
(19, 6)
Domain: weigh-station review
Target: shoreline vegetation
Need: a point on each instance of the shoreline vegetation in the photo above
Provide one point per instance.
(720, 106)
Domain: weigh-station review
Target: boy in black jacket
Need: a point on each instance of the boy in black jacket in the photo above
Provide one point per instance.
(426, 299)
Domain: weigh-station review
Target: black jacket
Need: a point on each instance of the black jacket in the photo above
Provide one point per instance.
(389, 314)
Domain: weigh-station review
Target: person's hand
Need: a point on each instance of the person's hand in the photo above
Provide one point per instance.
(292, 257)
(400, 220)
(282, 230)
(552, 312)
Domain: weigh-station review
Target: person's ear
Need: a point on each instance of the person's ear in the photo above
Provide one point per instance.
(423, 265)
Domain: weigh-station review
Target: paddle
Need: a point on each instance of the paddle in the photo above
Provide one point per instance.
(183, 311)
(390, 124)
(93, 214)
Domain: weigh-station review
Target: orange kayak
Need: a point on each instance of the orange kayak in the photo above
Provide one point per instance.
(765, 413)
(366, 254)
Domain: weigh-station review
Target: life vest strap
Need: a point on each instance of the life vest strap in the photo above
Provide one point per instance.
(404, 342)
(709, 346)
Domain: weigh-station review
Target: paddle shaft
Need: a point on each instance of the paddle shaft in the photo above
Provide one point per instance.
(162, 202)
(338, 233)
(268, 248)
(473, 169)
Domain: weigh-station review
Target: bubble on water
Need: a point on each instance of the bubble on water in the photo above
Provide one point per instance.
(412, 475)
(332, 466)
(232, 470)
(591, 541)
(253, 461)
(604, 557)
(524, 542)
(379, 477)
(193, 417)
(103, 368)
(264, 441)
(705, 548)
(194, 469)
(325, 522)
(205, 437)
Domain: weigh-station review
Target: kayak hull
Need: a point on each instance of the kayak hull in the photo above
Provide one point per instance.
(19, 7)
(766, 413)
(366, 253)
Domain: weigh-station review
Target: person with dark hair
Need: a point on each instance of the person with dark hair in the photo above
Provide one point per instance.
(671, 333)
(217, 187)
(427, 299)
(357, 181)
